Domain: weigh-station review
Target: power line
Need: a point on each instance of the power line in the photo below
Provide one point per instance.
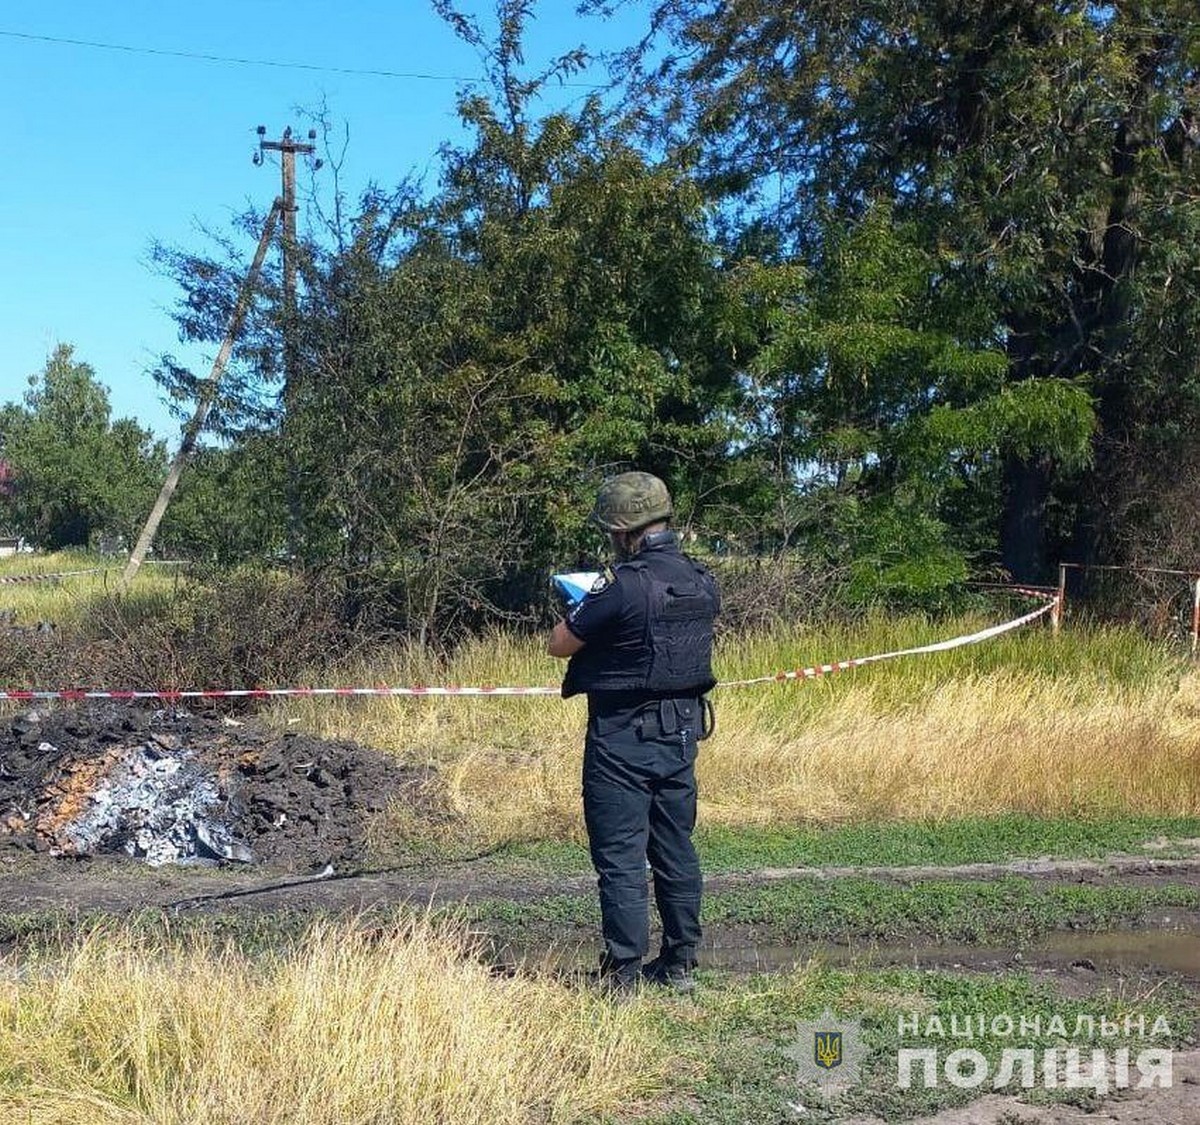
(232, 60)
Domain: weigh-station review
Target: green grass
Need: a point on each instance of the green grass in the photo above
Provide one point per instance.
(969, 840)
(733, 1043)
(72, 601)
(893, 844)
(40, 932)
(1007, 910)
(1011, 910)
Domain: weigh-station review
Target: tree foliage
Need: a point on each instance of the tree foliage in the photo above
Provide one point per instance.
(1044, 153)
(881, 400)
(896, 291)
(473, 360)
(230, 505)
(75, 472)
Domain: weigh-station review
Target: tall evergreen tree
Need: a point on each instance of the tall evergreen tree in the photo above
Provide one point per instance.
(1046, 152)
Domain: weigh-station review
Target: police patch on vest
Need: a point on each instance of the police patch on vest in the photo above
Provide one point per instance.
(603, 580)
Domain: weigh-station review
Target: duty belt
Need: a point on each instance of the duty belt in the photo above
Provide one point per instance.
(661, 717)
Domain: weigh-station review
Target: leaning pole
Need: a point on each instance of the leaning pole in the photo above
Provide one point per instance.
(208, 393)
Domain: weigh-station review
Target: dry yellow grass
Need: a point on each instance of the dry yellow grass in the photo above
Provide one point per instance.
(65, 601)
(1093, 722)
(348, 1028)
(1003, 742)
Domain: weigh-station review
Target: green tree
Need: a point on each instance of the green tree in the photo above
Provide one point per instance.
(474, 360)
(1046, 154)
(75, 472)
(230, 505)
(880, 414)
(545, 317)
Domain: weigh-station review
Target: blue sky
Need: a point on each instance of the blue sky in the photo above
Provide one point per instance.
(106, 151)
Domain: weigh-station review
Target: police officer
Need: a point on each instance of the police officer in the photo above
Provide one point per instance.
(640, 647)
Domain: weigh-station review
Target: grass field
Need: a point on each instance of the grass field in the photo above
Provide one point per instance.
(1093, 722)
(895, 843)
(352, 1026)
(1006, 911)
(400, 1023)
(67, 601)
(1081, 745)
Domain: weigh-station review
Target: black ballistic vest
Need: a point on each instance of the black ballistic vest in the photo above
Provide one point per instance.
(679, 601)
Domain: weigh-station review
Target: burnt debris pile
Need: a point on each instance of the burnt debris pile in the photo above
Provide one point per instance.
(168, 786)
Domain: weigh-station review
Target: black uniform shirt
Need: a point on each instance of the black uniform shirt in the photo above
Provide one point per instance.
(613, 614)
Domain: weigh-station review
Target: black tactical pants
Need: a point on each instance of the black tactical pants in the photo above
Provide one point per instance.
(639, 803)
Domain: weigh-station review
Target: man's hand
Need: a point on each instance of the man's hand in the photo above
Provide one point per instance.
(563, 642)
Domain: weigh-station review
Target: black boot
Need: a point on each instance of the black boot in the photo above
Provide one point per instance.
(618, 978)
(679, 976)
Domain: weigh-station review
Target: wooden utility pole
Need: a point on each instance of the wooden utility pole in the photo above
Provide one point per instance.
(287, 147)
(208, 392)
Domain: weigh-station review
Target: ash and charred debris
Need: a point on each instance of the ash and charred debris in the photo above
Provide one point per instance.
(154, 803)
(168, 786)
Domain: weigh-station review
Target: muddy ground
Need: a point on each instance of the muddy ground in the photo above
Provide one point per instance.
(1178, 1105)
(301, 807)
(112, 883)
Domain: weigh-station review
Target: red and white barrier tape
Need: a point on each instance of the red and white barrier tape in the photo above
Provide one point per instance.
(76, 695)
(1024, 591)
(938, 646)
(11, 579)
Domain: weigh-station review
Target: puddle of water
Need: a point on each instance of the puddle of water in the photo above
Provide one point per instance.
(1175, 951)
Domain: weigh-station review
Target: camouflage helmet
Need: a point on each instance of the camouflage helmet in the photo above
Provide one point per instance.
(631, 501)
